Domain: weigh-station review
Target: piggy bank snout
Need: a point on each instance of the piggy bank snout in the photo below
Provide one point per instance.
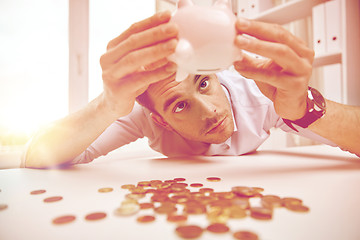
(206, 40)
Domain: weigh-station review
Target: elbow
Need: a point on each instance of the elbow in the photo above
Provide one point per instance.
(41, 157)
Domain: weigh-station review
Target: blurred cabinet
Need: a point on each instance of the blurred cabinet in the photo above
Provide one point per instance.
(335, 31)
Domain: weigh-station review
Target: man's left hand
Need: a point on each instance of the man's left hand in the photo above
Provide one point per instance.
(284, 72)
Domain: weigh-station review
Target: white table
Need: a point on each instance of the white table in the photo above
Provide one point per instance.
(325, 178)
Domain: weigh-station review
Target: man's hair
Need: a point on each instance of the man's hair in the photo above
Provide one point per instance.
(145, 101)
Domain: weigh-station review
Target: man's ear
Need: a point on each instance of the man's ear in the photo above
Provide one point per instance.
(160, 121)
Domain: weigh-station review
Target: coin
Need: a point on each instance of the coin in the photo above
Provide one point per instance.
(297, 208)
(105, 190)
(206, 190)
(36, 192)
(197, 185)
(179, 179)
(271, 201)
(166, 208)
(128, 186)
(144, 184)
(95, 216)
(64, 219)
(53, 199)
(213, 179)
(3, 207)
(189, 231)
(145, 219)
(245, 235)
(218, 228)
(177, 218)
(261, 213)
(127, 209)
(146, 205)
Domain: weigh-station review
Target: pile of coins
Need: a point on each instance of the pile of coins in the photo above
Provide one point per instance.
(175, 199)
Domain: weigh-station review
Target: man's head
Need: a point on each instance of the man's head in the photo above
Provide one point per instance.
(196, 108)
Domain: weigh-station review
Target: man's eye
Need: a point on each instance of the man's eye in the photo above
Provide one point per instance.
(179, 107)
(204, 84)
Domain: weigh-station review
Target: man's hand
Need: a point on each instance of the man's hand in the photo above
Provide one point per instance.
(283, 75)
(137, 58)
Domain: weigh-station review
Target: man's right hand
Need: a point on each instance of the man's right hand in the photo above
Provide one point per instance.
(137, 58)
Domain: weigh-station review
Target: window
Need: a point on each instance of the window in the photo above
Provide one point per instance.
(33, 65)
(108, 19)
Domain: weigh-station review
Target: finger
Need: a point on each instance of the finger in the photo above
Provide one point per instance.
(150, 22)
(142, 80)
(157, 64)
(263, 70)
(282, 54)
(274, 33)
(140, 40)
(142, 57)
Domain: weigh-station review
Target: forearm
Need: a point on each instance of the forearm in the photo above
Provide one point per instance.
(65, 139)
(341, 125)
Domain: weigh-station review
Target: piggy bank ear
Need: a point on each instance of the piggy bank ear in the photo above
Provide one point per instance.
(181, 75)
(222, 4)
(183, 3)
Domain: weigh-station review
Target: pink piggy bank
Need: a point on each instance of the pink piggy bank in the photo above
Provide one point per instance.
(206, 38)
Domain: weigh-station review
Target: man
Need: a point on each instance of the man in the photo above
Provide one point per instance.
(222, 114)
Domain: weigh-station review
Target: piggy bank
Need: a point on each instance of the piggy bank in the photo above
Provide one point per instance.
(206, 38)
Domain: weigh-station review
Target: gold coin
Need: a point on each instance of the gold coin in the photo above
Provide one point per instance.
(213, 179)
(105, 190)
(261, 213)
(245, 235)
(177, 218)
(145, 219)
(144, 184)
(128, 186)
(237, 212)
(244, 191)
(271, 201)
(218, 228)
(297, 208)
(64, 219)
(189, 231)
(127, 209)
(166, 208)
(217, 215)
(135, 196)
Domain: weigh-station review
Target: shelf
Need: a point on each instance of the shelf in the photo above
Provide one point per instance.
(327, 59)
(288, 12)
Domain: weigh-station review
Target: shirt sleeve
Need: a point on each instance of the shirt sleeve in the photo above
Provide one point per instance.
(123, 131)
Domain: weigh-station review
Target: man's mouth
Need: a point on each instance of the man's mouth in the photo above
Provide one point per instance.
(218, 127)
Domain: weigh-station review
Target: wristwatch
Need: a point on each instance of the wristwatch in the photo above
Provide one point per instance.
(316, 108)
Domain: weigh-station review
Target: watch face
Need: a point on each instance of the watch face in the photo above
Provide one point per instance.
(318, 99)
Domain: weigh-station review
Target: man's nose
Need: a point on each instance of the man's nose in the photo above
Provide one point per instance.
(208, 110)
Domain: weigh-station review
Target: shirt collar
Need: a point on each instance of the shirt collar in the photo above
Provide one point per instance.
(228, 97)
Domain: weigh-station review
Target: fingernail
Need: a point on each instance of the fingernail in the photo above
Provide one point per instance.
(164, 15)
(241, 40)
(170, 29)
(243, 22)
(171, 67)
(171, 45)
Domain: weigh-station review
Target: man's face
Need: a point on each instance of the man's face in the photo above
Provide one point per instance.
(196, 108)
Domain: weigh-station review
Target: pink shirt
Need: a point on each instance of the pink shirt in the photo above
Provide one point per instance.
(253, 114)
